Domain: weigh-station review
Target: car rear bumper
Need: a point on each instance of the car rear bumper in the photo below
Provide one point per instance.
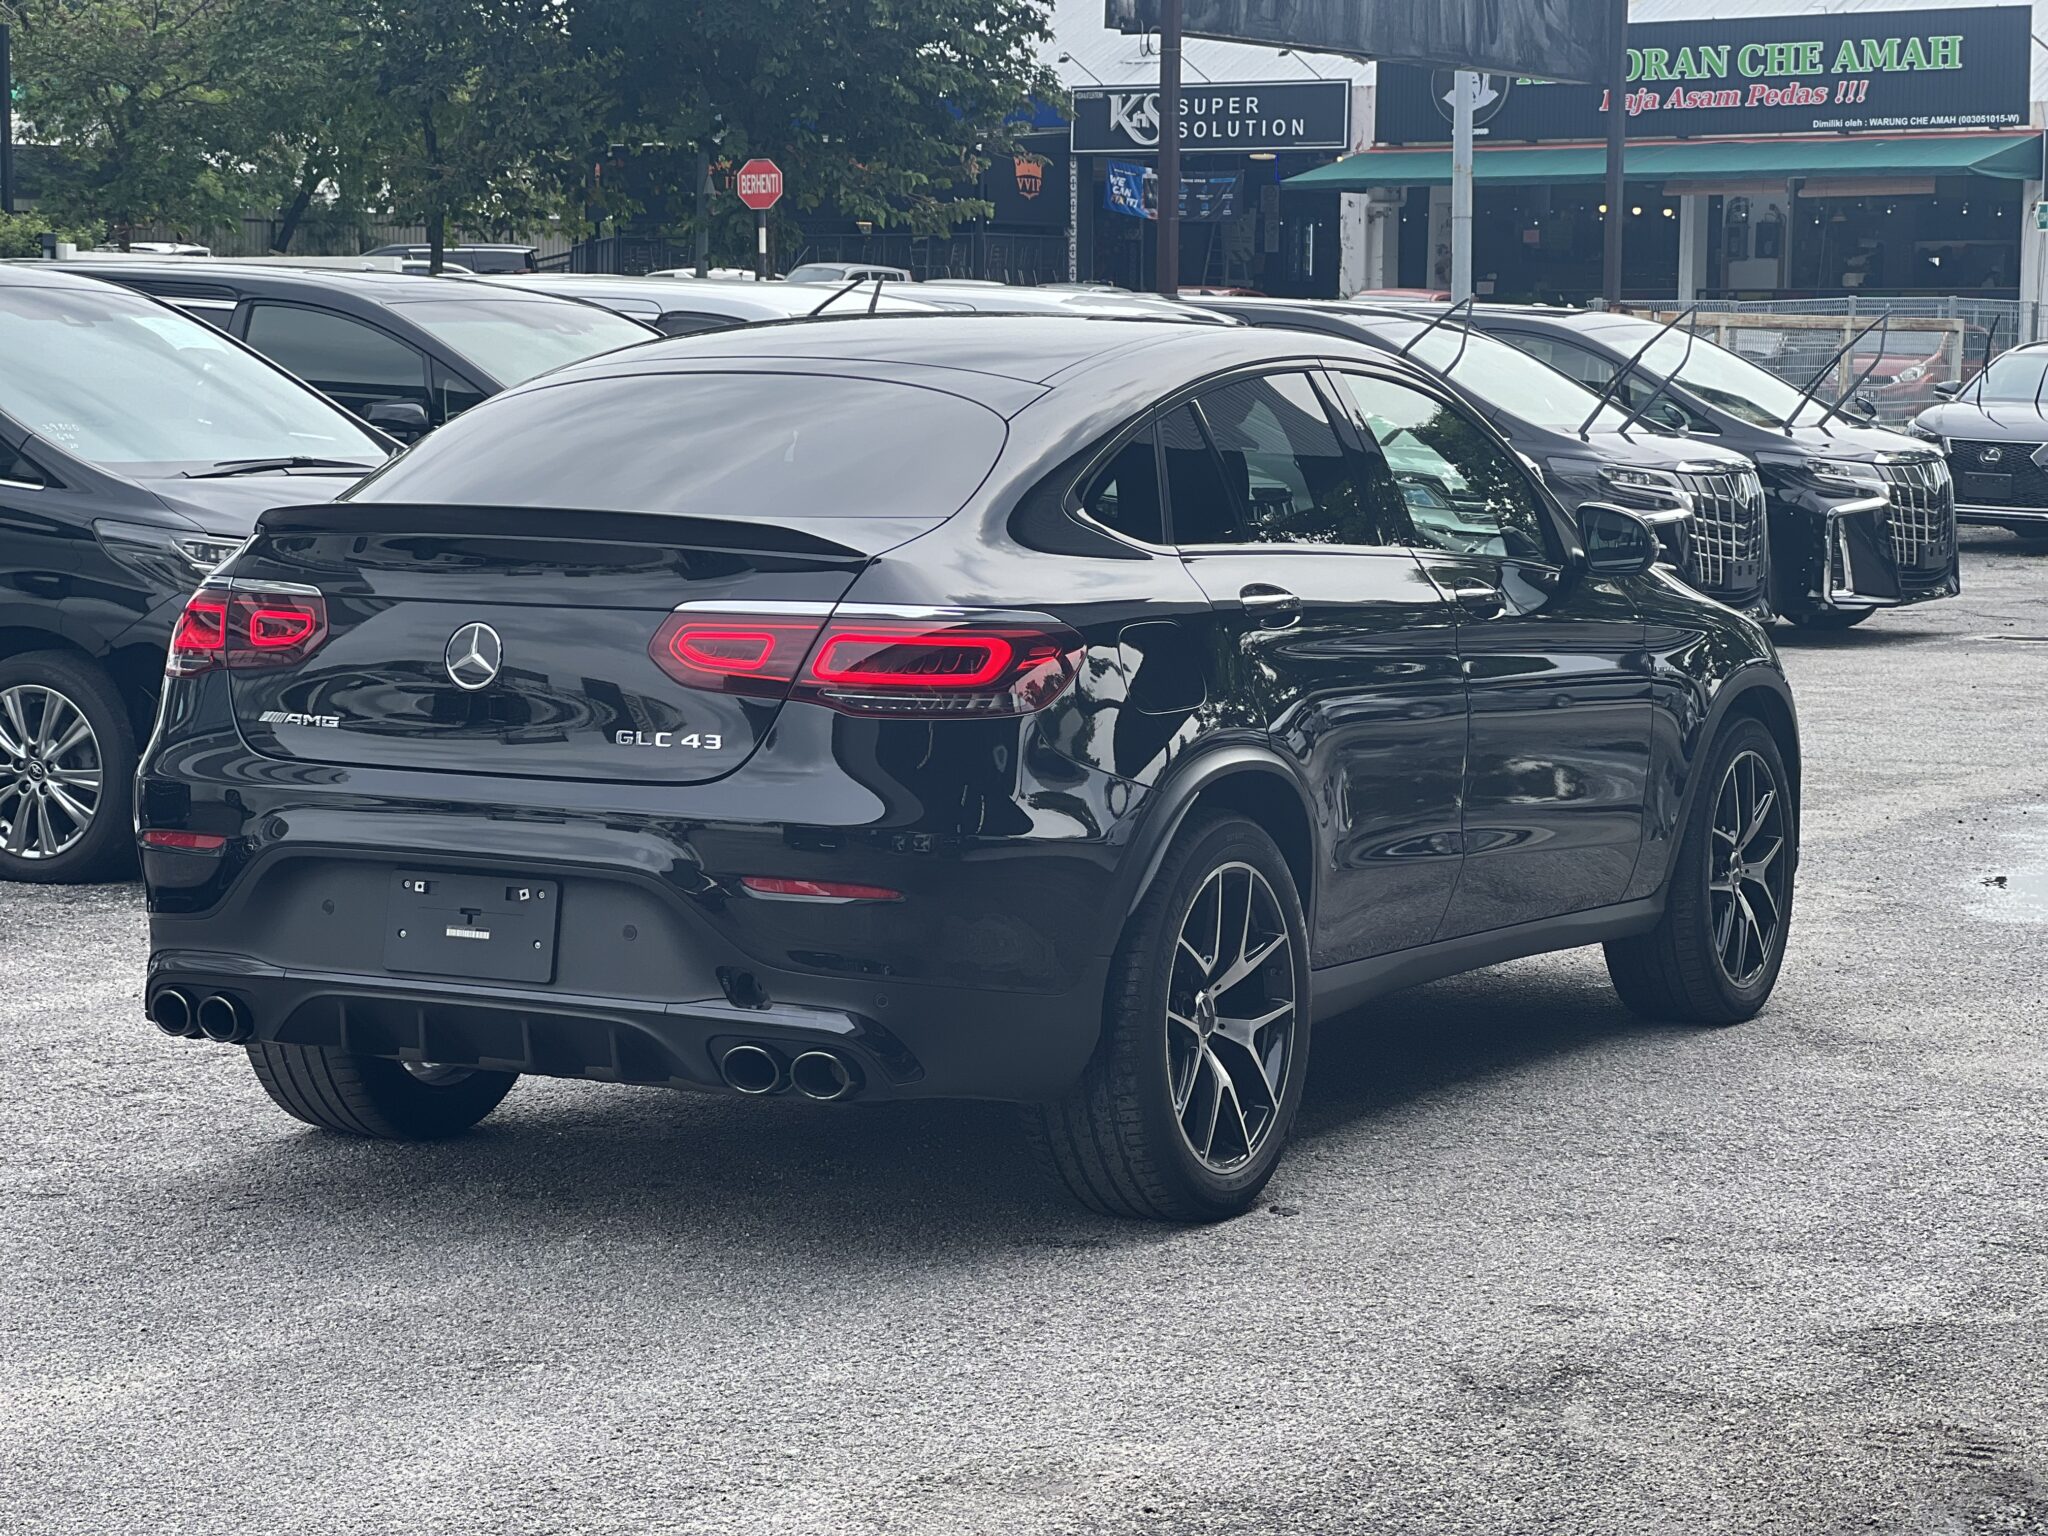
(984, 981)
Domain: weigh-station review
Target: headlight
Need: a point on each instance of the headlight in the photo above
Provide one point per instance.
(1912, 373)
(164, 556)
(1927, 434)
(1634, 486)
(1843, 474)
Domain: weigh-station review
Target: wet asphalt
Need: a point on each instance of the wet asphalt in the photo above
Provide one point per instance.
(1532, 1265)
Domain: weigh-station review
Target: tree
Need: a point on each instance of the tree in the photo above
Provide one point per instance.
(141, 96)
(884, 110)
(485, 112)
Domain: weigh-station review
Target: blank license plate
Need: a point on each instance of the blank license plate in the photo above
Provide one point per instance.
(489, 927)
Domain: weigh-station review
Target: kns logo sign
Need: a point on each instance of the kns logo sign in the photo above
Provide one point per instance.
(1135, 115)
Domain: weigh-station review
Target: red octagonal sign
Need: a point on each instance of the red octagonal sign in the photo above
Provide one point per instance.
(760, 184)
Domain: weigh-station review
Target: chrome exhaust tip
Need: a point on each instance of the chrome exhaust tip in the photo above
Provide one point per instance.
(224, 1020)
(171, 1011)
(752, 1069)
(824, 1076)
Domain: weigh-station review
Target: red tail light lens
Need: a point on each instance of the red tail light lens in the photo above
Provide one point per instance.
(776, 888)
(185, 842)
(246, 629)
(917, 668)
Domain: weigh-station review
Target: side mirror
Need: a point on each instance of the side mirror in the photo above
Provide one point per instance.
(1948, 389)
(1618, 542)
(1863, 408)
(405, 420)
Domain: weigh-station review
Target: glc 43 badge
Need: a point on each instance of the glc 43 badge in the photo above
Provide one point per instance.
(703, 741)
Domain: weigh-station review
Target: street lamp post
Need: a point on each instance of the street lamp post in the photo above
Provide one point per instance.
(1617, 139)
(6, 123)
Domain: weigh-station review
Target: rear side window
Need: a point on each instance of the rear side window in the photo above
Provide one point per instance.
(354, 362)
(746, 445)
(1124, 495)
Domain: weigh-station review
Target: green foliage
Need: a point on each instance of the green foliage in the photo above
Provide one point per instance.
(21, 234)
(485, 115)
(884, 110)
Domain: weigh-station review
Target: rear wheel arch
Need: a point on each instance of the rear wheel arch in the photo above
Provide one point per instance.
(1245, 782)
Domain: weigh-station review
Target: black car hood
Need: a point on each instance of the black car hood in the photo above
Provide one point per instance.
(1836, 441)
(231, 506)
(1651, 450)
(2010, 422)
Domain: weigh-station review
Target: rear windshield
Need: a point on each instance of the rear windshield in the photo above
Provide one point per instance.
(515, 339)
(750, 445)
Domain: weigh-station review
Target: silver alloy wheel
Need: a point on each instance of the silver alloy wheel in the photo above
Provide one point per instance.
(434, 1075)
(1230, 1018)
(1747, 878)
(50, 772)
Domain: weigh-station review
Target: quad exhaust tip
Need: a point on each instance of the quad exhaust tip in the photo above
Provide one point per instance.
(752, 1069)
(822, 1075)
(171, 1011)
(223, 1019)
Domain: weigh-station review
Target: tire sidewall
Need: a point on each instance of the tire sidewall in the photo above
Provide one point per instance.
(1231, 841)
(1743, 735)
(107, 849)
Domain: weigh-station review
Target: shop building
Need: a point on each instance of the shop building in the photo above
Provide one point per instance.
(1781, 151)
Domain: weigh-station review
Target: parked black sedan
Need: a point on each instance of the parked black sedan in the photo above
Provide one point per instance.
(1707, 503)
(136, 448)
(1994, 432)
(1861, 518)
(1065, 711)
(404, 353)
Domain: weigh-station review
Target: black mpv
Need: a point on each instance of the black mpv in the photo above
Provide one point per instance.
(1065, 711)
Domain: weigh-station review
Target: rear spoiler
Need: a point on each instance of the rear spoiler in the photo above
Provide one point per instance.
(850, 538)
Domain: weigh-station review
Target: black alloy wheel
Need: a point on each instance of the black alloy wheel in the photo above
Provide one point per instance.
(1186, 1109)
(1714, 955)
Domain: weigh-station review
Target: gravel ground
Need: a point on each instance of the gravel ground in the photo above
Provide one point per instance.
(1531, 1266)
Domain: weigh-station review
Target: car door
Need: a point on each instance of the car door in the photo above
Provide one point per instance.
(1335, 646)
(1557, 678)
(350, 361)
(39, 546)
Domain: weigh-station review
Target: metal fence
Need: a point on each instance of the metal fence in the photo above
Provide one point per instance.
(1928, 341)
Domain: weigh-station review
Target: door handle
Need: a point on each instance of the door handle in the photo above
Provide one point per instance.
(1478, 598)
(1273, 607)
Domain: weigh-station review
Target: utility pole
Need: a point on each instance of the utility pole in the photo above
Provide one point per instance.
(1617, 137)
(703, 230)
(6, 122)
(1464, 90)
(1166, 269)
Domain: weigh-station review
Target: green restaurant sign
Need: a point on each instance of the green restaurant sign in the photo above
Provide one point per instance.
(1854, 72)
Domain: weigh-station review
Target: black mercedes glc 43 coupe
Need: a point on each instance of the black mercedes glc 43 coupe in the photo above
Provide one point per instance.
(1067, 711)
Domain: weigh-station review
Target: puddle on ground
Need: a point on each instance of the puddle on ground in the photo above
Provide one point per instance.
(2017, 892)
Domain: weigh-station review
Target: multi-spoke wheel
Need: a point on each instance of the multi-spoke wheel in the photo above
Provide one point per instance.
(1714, 956)
(1747, 891)
(1185, 1110)
(66, 756)
(1230, 1008)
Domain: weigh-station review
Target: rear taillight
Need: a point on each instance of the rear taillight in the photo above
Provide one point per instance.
(244, 630)
(873, 664)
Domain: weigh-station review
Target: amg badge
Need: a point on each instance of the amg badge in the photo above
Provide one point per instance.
(287, 717)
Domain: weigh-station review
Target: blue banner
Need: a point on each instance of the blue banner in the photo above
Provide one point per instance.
(1124, 192)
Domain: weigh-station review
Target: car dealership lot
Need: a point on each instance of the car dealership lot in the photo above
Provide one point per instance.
(1531, 1266)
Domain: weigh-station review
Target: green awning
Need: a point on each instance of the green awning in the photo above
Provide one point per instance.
(2009, 156)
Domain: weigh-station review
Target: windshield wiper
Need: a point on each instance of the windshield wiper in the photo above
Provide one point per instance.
(1806, 395)
(1621, 374)
(1642, 408)
(1416, 340)
(228, 467)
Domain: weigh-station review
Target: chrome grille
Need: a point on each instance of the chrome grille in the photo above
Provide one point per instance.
(1923, 511)
(1725, 549)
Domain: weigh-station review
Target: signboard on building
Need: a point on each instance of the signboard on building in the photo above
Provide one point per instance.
(1556, 39)
(1216, 119)
(1854, 72)
(1132, 188)
(1027, 187)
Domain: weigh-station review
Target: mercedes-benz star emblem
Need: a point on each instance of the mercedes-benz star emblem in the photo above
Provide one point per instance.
(474, 655)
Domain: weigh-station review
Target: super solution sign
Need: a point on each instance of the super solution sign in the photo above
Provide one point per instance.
(1861, 71)
(1223, 119)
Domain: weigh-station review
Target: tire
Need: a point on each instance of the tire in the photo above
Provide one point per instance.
(1117, 1140)
(372, 1096)
(1825, 619)
(78, 755)
(1681, 970)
